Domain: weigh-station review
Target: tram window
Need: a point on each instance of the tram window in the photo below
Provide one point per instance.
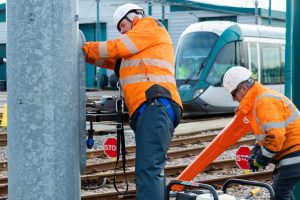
(254, 60)
(192, 52)
(271, 64)
(242, 54)
(224, 60)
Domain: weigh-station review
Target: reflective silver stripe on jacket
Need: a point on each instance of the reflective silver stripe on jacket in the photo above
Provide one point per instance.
(131, 63)
(103, 50)
(129, 44)
(159, 63)
(149, 78)
(260, 137)
(269, 125)
(148, 61)
(267, 153)
(288, 161)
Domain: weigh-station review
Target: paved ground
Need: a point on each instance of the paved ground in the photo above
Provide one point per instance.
(182, 129)
(205, 125)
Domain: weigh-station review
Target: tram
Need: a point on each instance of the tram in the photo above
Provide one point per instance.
(206, 50)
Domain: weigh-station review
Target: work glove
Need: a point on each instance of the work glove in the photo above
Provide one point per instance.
(254, 165)
(91, 52)
(251, 162)
(252, 156)
(261, 159)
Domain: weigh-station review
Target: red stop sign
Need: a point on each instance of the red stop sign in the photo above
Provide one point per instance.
(242, 156)
(110, 147)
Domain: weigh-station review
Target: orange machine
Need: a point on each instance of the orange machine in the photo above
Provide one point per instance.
(236, 129)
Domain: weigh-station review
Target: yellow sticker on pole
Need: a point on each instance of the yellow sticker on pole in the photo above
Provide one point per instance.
(4, 116)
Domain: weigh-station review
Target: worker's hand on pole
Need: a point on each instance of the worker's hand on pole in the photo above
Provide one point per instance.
(91, 51)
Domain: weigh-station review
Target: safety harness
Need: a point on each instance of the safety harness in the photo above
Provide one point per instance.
(166, 104)
(120, 141)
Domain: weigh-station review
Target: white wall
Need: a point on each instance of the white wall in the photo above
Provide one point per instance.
(244, 19)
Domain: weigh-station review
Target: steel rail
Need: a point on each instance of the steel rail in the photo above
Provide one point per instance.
(110, 165)
(175, 154)
(169, 171)
(129, 149)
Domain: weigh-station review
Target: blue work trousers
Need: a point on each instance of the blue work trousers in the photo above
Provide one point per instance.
(153, 133)
(284, 181)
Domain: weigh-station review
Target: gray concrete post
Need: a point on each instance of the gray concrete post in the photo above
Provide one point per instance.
(82, 101)
(43, 103)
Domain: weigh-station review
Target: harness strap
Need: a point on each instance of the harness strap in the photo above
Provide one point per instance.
(169, 108)
(120, 146)
(166, 104)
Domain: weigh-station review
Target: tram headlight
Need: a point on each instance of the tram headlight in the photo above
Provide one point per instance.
(198, 92)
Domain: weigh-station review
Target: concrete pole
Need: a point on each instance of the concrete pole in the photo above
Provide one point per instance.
(288, 50)
(82, 101)
(150, 7)
(295, 58)
(98, 25)
(270, 13)
(292, 66)
(163, 3)
(43, 103)
(256, 11)
(98, 38)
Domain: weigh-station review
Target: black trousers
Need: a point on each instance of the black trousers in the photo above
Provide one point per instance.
(153, 133)
(284, 181)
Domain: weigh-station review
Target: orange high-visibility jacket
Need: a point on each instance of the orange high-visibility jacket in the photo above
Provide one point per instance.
(274, 119)
(147, 58)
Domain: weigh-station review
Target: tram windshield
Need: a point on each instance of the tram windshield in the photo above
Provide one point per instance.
(232, 54)
(192, 52)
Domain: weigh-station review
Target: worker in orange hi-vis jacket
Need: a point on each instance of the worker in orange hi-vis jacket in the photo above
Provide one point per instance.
(147, 79)
(275, 121)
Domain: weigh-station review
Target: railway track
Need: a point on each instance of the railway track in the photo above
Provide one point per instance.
(3, 139)
(216, 182)
(92, 168)
(101, 173)
(170, 171)
(91, 177)
(175, 154)
(3, 136)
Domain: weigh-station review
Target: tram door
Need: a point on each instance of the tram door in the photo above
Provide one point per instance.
(266, 61)
(254, 62)
(272, 73)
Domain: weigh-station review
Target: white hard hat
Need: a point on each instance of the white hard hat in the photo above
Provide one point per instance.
(234, 76)
(123, 10)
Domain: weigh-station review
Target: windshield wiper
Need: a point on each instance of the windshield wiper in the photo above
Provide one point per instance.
(192, 74)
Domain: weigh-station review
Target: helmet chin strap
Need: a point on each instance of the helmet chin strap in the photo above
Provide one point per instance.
(130, 16)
